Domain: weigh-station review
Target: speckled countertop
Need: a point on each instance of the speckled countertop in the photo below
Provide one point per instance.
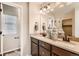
(72, 46)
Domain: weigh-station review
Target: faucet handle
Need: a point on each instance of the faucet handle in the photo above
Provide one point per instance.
(66, 38)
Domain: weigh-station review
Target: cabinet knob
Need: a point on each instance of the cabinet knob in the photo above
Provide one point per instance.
(16, 37)
(0, 10)
(0, 32)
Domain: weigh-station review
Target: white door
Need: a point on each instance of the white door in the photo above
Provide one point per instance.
(0, 27)
(10, 28)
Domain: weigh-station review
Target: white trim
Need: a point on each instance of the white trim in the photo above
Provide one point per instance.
(12, 4)
(28, 55)
(21, 37)
(1, 30)
(11, 50)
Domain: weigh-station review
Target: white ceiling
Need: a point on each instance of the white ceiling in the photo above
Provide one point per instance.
(62, 11)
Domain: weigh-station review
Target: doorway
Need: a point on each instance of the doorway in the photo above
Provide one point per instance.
(10, 28)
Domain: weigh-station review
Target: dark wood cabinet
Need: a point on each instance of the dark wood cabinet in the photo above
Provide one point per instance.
(34, 40)
(43, 52)
(44, 45)
(40, 48)
(61, 52)
(34, 49)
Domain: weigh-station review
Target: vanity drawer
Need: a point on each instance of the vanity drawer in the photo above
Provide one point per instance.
(34, 40)
(43, 52)
(45, 45)
(61, 52)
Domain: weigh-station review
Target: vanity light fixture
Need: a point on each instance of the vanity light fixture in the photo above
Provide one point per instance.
(40, 11)
(47, 7)
(44, 9)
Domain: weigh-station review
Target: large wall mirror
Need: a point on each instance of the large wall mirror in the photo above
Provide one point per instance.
(53, 24)
(62, 20)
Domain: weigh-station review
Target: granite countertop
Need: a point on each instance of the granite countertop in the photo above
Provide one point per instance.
(72, 46)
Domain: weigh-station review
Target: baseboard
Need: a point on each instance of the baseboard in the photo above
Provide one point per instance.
(28, 55)
(10, 51)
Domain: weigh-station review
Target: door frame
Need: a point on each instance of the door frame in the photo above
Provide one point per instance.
(20, 16)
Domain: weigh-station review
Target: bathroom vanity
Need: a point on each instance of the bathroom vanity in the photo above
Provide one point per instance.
(42, 46)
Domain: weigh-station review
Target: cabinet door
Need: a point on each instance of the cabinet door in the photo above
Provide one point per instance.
(34, 49)
(43, 52)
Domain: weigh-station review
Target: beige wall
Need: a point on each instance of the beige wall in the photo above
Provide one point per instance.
(34, 16)
(73, 23)
(77, 22)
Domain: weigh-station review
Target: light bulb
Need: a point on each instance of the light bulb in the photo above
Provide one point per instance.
(41, 11)
(44, 9)
(48, 7)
